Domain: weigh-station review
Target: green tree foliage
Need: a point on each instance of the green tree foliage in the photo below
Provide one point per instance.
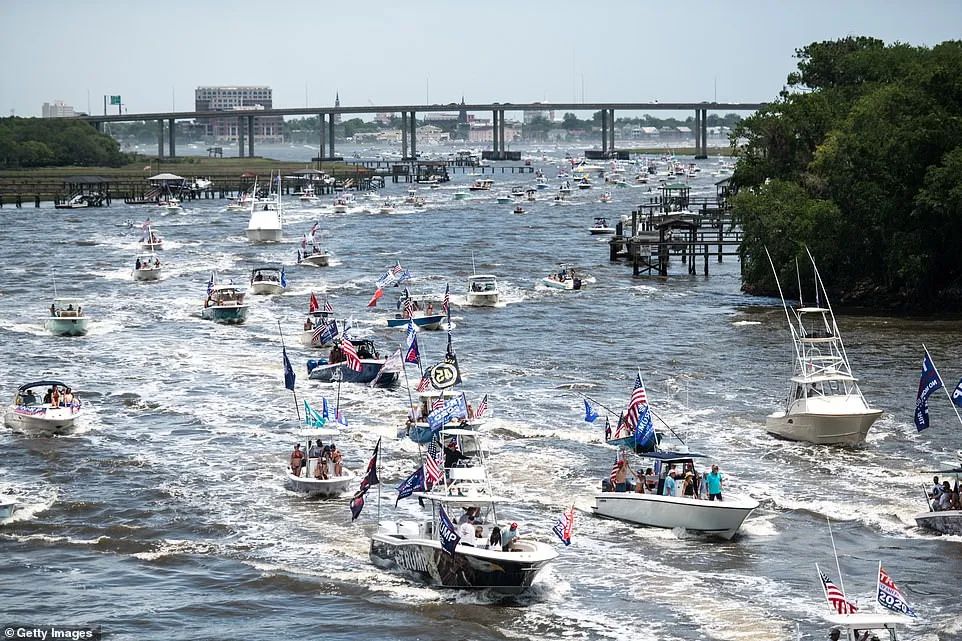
(855, 159)
(40, 142)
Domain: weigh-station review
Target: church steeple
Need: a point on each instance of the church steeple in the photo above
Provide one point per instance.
(462, 115)
(337, 103)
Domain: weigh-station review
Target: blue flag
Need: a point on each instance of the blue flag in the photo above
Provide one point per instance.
(957, 394)
(410, 485)
(412, 354)
(283, 278)
(453, 408)
(288, 371)
(590, 414)
(446, 533)
(644, 430)
(324, 410)
(929, 382)
(328, 332)
(210, 284)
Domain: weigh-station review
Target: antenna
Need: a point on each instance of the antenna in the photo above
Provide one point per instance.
(798, 275)
(841, 581)
(791, 327)
(474, 269)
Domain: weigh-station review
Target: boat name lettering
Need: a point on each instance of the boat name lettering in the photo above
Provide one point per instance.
(411, 559)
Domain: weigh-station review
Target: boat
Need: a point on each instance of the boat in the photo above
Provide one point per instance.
(564, 278)
(334, 367)
(268, 280)
(266, 223)
(42, 408)
(460, 194)
(7, 507)
(503, 199)
(322, 474)
(66, 318)
(79, 201)
(242, 202)
(418, 428)
(414, 547)
(584, 182)
(147, 267)
(170, 204)
(824, 405)
(860, 626)
(483, 290)
(481, 184)
(314, 256)
(606, 197)
(307, 195)
(316, 332)
(600, 227)
(518, 209)
(225, 304)
(387, 207)
(541, 182)
(151, 241)
(411, 308)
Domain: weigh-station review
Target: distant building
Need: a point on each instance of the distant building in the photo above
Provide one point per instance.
(238, 99)
(337, 103)
(480, 132)
(384, 118)
(437, 116)
(531, 116)
(57, 110)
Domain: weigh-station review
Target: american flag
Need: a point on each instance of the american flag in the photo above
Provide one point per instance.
(424, 383)
(836, 598)
(408, 307)
(312, 304)
(482, 407)
(446, 303)
(635, 403)
(437, 403)
(614, 470)
(433, 464)
(327, 306)
(350, 355)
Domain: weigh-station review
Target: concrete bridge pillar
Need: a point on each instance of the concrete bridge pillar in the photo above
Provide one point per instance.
(611, 130)
(494, 132)
(240, 136)
(330, 135)
(320, 121)
(704, 133)
(404, 135)
(697, 132)
(160, 138)
(250, 136)
(414, 137)
(172, 146)
(604, 131)
(501, 144)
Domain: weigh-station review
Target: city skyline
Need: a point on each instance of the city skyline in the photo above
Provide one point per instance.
(155, 56)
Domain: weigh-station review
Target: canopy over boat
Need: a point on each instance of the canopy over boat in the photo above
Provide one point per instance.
(474, 499)
(673, 457)
(867, 620)
(46, 383)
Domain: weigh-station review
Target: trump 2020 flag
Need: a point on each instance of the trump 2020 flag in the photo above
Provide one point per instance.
(410, 485)
(590, 414)
(929, 382)
(957, 394)
(564, 525)
(645, 430)
(288, 371)
(412, 354)
(889, 596)
(446, 533)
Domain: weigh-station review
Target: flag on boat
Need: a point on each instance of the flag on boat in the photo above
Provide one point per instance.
(834, 595)
(451, 357)
(482, 407)
(393, 363)
(328, 307)
(638, 399)
(350, 355)
(339, 417)
(929, 382)
(889, 596)
(957, 394)
(283, 278)
(408, 305)
(446, 532)
(324, 411)
(410, 485)
(433, 464)
(370, 477)
(411, 354)
(377, 295)
(453, 408)
(437, 403)
(393, 277)
(312, 304)
(564, 525)
(614, 470)
(314, 418)
(325, 334)
(644, 431)
(424, 383)
(313, 229)
(590, 414)
(210, 284)
(146, 224)
(446, 302)
(357, 504)
(607, 429)
(288, 371)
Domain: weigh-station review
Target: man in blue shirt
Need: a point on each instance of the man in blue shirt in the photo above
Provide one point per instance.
(669, 489)
(714, 481)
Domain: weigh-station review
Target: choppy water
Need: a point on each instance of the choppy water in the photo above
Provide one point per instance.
(165, 514)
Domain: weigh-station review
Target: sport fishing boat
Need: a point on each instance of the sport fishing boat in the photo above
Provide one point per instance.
(565, 278)
(266, 224)
(824, 405)
(66, 318)
(151, 240)
(307, 195)
(483, 290)
(147, 267)
(430, 551)
(941, 520)
(418, 428)
(335, 367)
(601, 226)
(268, 280)
(322, 475)
(43, 407)
(225, 304)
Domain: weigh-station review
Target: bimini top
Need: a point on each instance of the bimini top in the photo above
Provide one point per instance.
(27, 386)
(482, 277)
(867, 620)
(266, 268)
(669, 457)
(812, 310)
(474, 499)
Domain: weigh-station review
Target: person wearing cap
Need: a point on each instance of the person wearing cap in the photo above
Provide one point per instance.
(509, 537)
(297, 460)
(835, 634)
(714, 482)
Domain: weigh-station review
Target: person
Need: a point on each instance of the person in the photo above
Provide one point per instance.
(509, 538)
(494, 541)
(621, 476)
(452, 456)
(639, 483)
(53, 309)
(298, 255)
(688, 489)
(55, 397)
(470, 412)
(946, 499)
(669, 489)
(314, 451)
(835, 634)
(479, 535)
(297, 460)
(651, 481)
(137, 264)
(308, 325)
(320, 468)
(714, 482)
(936, 490)
(67, 397)
(466, 532)
(336, 459)
(430, 309)
(29, 398)
(80, 310)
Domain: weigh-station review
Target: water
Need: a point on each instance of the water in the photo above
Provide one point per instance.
(165, 514)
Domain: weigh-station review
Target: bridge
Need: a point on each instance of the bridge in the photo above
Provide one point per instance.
(245, 121)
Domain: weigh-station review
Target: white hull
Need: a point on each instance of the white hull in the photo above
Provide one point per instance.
(7, 506)
(947, 522)
(265, 235)
(317, 260)
(719, 518)
(568, 283)
(266, 288)
(823, 429)
(67, 326)
(598, 231)
(487, 299)
(316, 487)
(52, 421)
(147, 274)
(152, 247)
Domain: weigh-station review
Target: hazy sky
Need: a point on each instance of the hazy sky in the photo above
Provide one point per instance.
(154, 54)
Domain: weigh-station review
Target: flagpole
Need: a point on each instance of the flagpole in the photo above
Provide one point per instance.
(379, 483)
(297, 407)
(407, 383)
(943, 383)
(841, 581)
(878, 581)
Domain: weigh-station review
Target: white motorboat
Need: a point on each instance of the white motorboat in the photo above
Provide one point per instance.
(942, 520)
(242, 202)
(307, 195)
(7, 506)
(600, 227)
(503, 198)
(342, 203)
(415, 549)
(171, 204)
(483, 290)
(481, 184)
(151, 240)
(565, 278)
(460, 194)
(225, 304)
(43, 408)
(541, 183)
(66, 318)
(268, 280)
(824, 404)
(314, 256)
(860, 626)
(606, 197)
(322, 475)
(387, 207)
(266, 223)
(147, 267)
